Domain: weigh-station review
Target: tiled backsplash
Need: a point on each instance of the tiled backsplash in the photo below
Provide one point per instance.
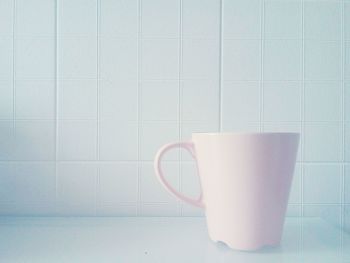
(89, 89)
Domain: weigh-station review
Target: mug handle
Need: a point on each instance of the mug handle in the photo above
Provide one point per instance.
(159, 172)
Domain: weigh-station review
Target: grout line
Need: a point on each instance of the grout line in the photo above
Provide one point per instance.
(302, 112)
(302, 104)
(169, 80)
(280, 80)
(176, 38)
(261, 89)
(14, 65)
(139, 110)
(342, 52)
(221, 65)
(56, 102)
(320, 163)
(97, 186)
(165, 202)
(180, 97)
(174, 121)
(286, 38)
(166, 37)
(129, 203)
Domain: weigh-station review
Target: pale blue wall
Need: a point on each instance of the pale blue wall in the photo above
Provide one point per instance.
(89, 89)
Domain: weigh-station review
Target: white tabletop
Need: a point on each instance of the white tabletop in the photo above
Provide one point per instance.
(157, 240)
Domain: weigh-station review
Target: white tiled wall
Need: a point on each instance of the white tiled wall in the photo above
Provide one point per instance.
(89, 90)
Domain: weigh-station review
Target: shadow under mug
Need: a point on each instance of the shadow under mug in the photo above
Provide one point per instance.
(245, 182)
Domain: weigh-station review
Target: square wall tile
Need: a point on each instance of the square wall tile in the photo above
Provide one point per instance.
(282, 60)
(119, 18)
(35, 58)
(190, 186)
(160, 100)
(6, 58)
(187, 128)
(31, 210)
(346, 223)
(329, 213)
(201, 18)
(190, 182)
(118, 140)
(295, 192)
(347, 141)
(36, 18)
(76, 184)
(35, 99)
(160, 59)
(118, 58)
(118, 182)
(328, 180)
(322, 20)
(282, 101)
(347, 184)
(154, 135)
(323, 142)
(200, 59)
(7, 140)
(277, 126)
(200, 100)
(159, 209)
(77, 17)
(27, 183)
(323, 101)
(241, 102)
(119, 209)
(77, 57)
(347, 21)
(241, 126)
(285, 127)
(8, 182)
(38, 181)
(151, 189)
(241, 19)
(118, 100)
(293, 210)
(347, 101)
(190, 210)
(77, 140)
(283, 19)
(161, 18)
(35, 140)
(70, 209)
(347, 61)
(77, 99)
(6, 99)
(6, 16)
(322, 60)
(241, 60)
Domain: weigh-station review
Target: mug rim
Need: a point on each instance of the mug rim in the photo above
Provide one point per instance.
(246, 133)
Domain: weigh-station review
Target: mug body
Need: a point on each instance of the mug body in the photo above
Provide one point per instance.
(245, 180)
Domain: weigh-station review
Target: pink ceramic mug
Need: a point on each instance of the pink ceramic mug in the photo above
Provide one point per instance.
(245, 180)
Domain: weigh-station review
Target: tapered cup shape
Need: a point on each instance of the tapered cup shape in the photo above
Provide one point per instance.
(245, 181)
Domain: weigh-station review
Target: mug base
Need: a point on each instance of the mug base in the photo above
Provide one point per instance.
(248, 247)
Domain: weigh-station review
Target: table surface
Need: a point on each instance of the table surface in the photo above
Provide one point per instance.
(158, 239)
